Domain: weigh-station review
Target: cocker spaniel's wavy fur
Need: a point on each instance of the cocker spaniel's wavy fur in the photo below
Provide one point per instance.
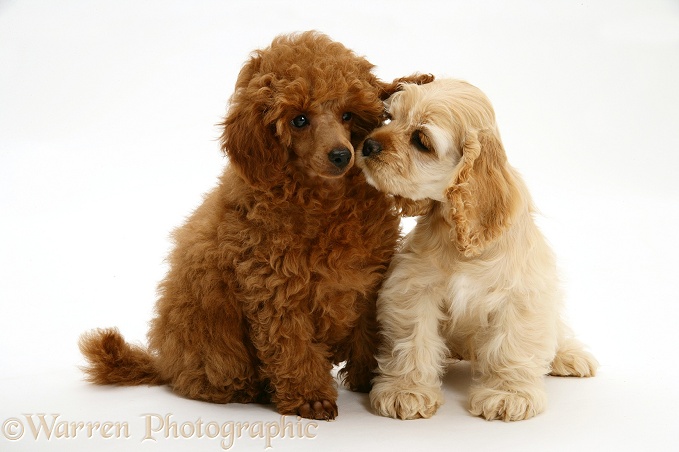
(273, 279)
(475, 278)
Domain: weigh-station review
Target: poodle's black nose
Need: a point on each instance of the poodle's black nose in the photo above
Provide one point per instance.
(371, 147)
(340, 157)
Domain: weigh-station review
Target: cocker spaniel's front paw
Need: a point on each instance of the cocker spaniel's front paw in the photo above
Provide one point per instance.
(405, 402)
(574, 363)
(506, 405)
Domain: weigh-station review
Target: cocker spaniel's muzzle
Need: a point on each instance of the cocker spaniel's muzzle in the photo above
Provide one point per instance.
(371, 147)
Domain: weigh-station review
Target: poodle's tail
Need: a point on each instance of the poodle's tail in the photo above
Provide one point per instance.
(114, 361)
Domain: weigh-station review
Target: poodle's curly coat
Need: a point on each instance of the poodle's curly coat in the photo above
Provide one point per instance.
(273, 278)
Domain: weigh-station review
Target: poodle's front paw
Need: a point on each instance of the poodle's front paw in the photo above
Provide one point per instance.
(319, 409)
(402, 402)
(506, 405)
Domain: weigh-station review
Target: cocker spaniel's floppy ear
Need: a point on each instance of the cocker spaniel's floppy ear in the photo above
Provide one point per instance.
(387, 89)
(483, 196)
(249, 135)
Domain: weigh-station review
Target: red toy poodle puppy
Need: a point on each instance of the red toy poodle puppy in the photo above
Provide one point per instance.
(273, 279)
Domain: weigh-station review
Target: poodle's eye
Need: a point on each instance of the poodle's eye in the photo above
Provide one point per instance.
(420, 141)
(346, 117)
(300, 121)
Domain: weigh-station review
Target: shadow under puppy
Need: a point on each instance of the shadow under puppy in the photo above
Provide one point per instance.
(273, 279)
(475, 279)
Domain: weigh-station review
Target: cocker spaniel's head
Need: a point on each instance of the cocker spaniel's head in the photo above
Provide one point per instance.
(442, 145)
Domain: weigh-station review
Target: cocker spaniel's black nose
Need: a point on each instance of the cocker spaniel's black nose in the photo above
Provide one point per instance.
(371, 147)
(340, 157)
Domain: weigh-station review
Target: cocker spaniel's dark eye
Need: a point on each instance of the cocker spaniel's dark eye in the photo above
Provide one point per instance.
(420, 141)
(386, 118)
(300, 121)
(346, 117)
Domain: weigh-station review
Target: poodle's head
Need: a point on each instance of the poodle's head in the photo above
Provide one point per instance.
(300, 107)
(442, 145)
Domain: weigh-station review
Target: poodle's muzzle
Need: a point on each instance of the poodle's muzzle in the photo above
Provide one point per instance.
(340, 157)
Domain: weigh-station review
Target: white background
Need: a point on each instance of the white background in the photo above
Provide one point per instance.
(108, 140)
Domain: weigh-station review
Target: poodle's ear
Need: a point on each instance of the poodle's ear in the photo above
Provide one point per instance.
(249, 135)
(387, 89)
(409, 208)
(483, 195)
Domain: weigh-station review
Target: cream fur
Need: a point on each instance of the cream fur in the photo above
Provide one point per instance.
(475, 279)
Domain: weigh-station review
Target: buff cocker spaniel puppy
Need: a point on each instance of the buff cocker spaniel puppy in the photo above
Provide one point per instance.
(474, 279)
(274, 278)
